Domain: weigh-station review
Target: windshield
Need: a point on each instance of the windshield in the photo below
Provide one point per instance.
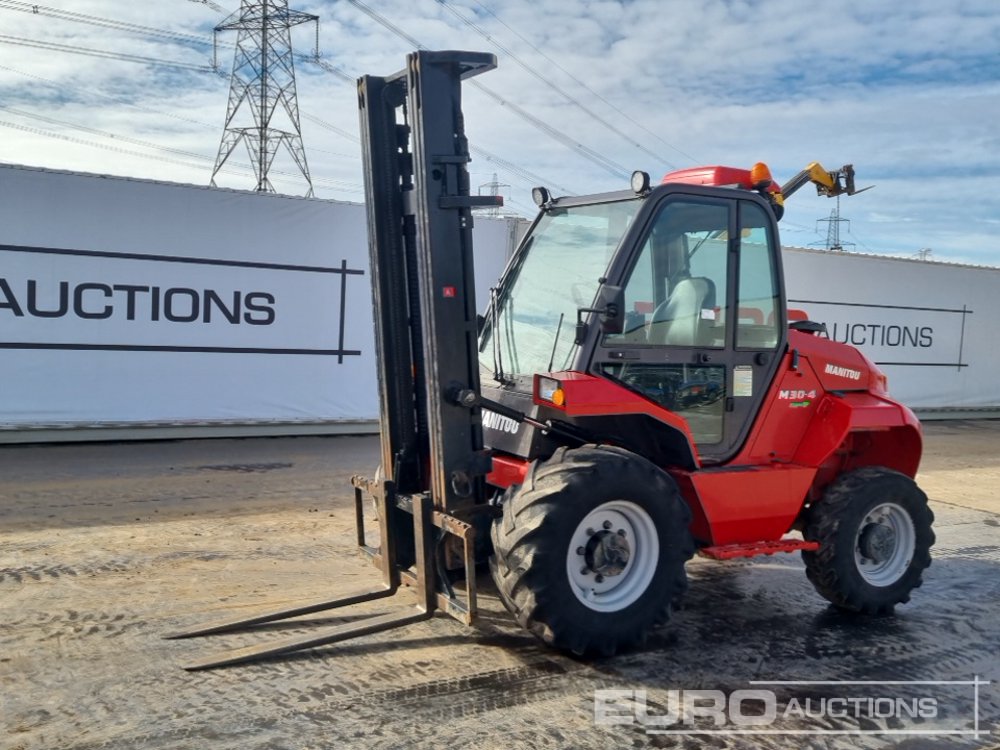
(557, 272)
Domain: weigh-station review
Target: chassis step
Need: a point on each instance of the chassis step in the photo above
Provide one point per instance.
(753, 549)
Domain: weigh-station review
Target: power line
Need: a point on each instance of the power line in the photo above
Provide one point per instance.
(240, 168)
(213, 6)
(77, 50)
(152, 31)
(527, 176)
(94, 144)
(164, 34)
(159, 112)
(329, 126)
(329, 67)
(552, 85)
(94, 92)
(603, 162)
(104, 54)
(107, 23)
(583, 84)
(608, 165)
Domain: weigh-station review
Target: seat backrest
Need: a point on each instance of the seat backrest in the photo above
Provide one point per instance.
(678, 320)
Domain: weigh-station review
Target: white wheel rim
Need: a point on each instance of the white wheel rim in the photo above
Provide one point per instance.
(883, 549)
(613, 592)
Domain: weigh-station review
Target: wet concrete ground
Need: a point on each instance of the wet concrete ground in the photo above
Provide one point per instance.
(104, 548)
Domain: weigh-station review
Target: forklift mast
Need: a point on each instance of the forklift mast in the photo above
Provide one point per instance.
(433, 463)
(420, 245)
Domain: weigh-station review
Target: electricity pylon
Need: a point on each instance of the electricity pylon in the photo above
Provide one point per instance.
(833, 229)
(263, 82)
(495, 188)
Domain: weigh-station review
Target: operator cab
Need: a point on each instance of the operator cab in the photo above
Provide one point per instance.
(678, 294)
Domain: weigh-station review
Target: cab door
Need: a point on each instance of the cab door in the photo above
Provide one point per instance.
(704, 318)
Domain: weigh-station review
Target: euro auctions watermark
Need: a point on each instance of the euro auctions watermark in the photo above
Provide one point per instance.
(802, 707)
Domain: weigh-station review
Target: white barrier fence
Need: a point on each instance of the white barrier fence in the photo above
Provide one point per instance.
(929, 326)
(126, 303)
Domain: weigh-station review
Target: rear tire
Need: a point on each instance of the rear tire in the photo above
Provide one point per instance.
(590, 551)
(875, 535)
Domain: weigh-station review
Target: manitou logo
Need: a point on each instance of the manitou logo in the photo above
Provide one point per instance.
(494, 421)
(843, 372)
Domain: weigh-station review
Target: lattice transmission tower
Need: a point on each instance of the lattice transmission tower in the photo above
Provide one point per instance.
(495, 189)
(262, 92)
(833, 241)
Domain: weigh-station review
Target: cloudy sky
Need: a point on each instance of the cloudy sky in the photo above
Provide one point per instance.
(586, 91)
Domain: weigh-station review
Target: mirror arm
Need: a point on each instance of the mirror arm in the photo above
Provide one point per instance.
(612, 297)
(581, 327)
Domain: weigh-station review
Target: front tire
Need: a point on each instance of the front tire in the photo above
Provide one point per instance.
(875, 535)
(590, 551)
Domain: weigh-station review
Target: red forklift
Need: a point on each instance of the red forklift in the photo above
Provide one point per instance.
(635, 392)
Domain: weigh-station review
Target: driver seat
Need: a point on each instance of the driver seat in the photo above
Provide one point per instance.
(678, 320)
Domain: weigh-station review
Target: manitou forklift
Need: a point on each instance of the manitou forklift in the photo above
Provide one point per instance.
(636, 392)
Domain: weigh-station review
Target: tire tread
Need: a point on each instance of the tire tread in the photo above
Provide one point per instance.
(825, 567)
(519, 542)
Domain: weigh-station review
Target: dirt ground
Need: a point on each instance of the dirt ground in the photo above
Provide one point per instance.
(106, 547)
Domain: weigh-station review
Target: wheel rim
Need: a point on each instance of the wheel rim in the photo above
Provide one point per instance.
(612, 556)
(885, 543)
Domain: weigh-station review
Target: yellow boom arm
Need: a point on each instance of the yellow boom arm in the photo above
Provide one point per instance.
(839, 182)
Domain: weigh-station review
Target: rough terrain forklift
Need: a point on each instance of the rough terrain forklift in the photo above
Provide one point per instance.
(636, 391)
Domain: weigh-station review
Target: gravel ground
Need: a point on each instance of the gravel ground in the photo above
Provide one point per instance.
(105, 548)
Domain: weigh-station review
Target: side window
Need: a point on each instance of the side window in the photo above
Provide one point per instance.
(757, 325)
(676, 292)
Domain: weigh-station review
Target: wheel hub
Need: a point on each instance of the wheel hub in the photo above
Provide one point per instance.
(877, 542)
(612, 556)
(607, 553)
(885, 544)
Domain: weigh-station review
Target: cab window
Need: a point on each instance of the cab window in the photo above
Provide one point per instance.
(676, 291)
(757, 323)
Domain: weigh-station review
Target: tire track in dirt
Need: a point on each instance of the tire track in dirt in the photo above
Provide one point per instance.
(46, 626)
(28, 573)
(23, 574)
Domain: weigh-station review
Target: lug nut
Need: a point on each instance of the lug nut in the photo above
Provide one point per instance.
(621, 533)
(590, 532)
(607, 524)
(584, 571)
(599, 578)
(580, 551)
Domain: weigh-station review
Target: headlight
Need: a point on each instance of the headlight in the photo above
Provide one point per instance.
(551, 390)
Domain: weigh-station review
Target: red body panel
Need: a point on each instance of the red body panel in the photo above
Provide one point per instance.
(507, 470)
(717, 176)
(589, 395)
(753, 549)
(825, 413)
(744, 504)
(801, 421)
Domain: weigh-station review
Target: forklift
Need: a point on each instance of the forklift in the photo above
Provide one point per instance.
(635, 392)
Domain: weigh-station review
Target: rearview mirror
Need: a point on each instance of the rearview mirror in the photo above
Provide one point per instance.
(610, 305)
